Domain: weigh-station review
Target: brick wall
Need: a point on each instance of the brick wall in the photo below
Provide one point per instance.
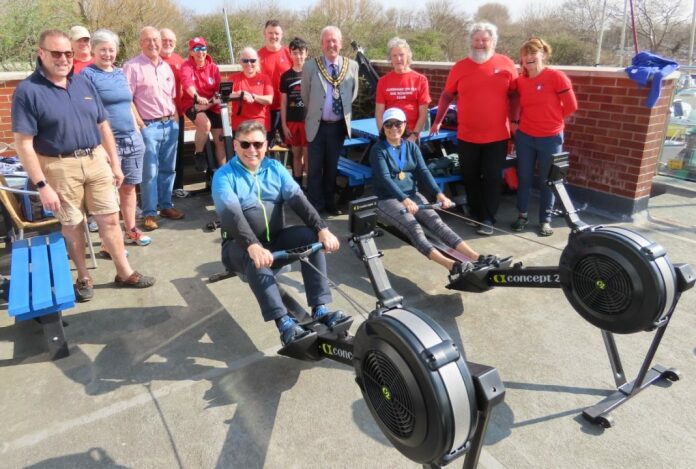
(614, 140)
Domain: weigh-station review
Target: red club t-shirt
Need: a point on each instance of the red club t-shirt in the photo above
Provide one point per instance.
(258, 84)
(482, 98)
(175, 61)
(205, 79)
(406, 91)
(545, 101)
(274, 64)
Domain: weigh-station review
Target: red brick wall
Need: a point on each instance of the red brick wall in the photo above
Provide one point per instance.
(614, 140)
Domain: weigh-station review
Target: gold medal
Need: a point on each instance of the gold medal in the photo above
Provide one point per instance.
(402, 175)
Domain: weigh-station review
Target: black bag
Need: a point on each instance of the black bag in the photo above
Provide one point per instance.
(450, 120)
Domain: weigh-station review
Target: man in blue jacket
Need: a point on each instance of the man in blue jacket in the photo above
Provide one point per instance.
(249, 193)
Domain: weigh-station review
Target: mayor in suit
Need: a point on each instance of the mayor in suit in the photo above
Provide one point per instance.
(329, 87)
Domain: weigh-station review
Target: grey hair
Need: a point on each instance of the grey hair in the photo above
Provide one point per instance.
(329, 29)
(250, 126)
(249, 51)
(104, 35)
(490, 28)
(401, 43)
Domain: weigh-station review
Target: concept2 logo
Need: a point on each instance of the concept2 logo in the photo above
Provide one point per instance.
(501, 279)
(328, 349)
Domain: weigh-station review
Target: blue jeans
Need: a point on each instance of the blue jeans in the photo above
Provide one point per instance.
(158, 166)
(530, 152)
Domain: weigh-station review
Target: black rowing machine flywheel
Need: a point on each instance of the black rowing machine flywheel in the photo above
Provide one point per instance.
(617, 279)
(416, 384)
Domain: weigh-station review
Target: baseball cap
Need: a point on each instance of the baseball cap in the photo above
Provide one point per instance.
(78, 32)
(394, 113)
(197, 41)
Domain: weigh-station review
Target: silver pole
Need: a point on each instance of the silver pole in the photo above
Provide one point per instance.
(229, 38)
(693, 32)
(622, 42)
(601, 35)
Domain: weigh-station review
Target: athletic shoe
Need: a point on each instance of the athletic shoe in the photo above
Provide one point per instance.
(92, 225)
(461, 267)
(520, 224)
(200, 161)
(485, 229)
(545, 229)
(181, 193)
(328, 318)
(135, 280)
(135, 236)
(290, 330)
(84, 289)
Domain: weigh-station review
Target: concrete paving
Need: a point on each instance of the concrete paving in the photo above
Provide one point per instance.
(186, 375)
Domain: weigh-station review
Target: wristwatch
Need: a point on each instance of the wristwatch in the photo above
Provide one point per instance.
(41, 184)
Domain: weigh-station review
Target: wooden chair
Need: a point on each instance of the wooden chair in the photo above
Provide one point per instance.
(20, 224)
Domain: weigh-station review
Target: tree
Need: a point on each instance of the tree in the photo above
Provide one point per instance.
(657, 21)
(495, 13)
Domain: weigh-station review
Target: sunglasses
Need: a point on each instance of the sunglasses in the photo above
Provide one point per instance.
(57, 54)
(390, 124)
(248, 61)
(200, 49)
(246, 145)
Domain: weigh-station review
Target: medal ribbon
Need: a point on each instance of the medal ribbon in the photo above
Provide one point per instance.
(399, 158)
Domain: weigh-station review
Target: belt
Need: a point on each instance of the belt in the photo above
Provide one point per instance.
(159, 119)
(331, 122)
(79, 153)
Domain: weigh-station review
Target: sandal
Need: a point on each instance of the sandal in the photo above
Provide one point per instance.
(136, 280)
(545, 229)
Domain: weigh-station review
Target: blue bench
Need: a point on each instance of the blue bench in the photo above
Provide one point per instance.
(41, 286)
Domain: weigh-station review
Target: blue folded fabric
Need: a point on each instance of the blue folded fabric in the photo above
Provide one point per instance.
(646, 66)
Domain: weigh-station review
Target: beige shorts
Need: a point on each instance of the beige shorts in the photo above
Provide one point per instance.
(84, 183)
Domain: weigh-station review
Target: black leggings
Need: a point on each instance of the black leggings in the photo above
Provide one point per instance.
(482, 167)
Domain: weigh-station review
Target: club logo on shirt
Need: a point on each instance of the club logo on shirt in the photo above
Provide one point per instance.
(539, 87)
(88, 98)
(210, 80)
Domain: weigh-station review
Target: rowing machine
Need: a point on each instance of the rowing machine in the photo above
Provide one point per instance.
(615, 278)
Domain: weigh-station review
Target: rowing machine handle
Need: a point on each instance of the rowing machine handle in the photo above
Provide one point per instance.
(297, 253)
(422, 206)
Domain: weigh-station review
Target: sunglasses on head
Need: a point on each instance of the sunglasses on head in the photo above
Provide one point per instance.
(57, 54)
(248, 61)
(246, 145)
(390, 124)
(200, 49)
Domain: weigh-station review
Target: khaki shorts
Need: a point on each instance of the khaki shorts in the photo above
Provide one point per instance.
(84, 183)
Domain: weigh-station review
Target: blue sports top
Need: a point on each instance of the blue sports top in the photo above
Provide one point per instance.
(115, 95)
(385, 172)
(61, 120)
(250, 205)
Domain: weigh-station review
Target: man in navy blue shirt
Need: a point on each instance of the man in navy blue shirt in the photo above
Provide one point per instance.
(249, 194)
(66, 146)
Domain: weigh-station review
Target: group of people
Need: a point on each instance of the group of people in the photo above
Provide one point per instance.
(131, 123)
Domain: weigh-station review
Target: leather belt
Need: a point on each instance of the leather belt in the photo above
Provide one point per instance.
(159, 119)
(79, 153)
(331, 122)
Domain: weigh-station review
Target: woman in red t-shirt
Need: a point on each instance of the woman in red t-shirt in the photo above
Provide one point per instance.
(200, 80)
(254, 90)
(404, 89)
(546, 99)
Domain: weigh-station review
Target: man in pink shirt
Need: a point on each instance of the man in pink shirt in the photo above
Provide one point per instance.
(275, 60)
(175, 61)
(152, 83)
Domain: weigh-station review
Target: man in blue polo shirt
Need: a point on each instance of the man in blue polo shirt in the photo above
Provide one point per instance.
(66, 146)
(249, 194)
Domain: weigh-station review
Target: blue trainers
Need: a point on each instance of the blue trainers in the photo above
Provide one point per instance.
(328, 318)
(290, 330)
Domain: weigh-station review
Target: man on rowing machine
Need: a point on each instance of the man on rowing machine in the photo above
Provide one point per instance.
(249, 194)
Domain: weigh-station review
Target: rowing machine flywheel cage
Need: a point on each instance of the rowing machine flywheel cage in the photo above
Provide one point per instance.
(618, 280)
(416, 384)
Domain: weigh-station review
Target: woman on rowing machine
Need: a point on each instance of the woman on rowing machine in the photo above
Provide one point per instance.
(398, 170)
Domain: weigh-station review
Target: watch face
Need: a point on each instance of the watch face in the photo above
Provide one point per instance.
(41, 184)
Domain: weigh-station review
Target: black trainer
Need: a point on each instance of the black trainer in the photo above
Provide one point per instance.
(200, 161)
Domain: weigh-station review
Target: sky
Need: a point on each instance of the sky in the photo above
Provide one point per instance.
(516, 7)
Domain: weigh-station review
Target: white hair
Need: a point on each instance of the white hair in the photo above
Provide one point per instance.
(330, 29)
(490, 28)
(101, 36)
(400, 43)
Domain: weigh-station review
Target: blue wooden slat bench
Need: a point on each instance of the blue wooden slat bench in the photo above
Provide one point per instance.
(41, 286)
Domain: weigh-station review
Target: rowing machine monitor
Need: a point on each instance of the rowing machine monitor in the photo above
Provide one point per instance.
(615, 278)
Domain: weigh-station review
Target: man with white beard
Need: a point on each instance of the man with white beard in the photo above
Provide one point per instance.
(481, 83)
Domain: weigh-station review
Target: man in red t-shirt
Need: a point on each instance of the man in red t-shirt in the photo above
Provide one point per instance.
(482, 83)
(175, 61)
(275, 60)
(79, 40)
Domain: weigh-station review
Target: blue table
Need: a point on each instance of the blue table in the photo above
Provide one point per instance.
(367, 128)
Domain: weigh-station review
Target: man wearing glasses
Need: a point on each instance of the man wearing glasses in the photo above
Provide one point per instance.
(249, 194)
(152, 83)
(66, 146)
